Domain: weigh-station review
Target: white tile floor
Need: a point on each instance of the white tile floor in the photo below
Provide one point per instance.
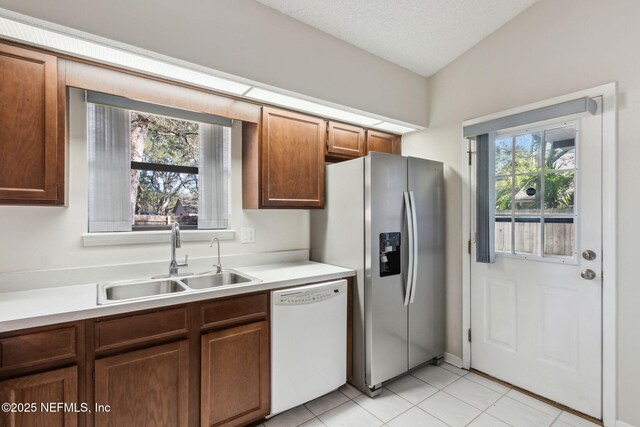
(433, 396)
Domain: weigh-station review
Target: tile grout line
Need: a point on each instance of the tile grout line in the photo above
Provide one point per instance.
(439, 419)
(383, 422)
(406, 410)
(555, 419)
(473, 406)
(498, 418)
(475, 382)
(319, 420)
(365, 409)
(532, 407)
(318, 416)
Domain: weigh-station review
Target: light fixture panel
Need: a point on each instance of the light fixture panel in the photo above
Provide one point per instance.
(392, 127)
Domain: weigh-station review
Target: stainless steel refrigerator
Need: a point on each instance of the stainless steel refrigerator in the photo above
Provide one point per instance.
(383, 217)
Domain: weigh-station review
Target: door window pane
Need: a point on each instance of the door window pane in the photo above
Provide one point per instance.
(504, 156)
(503, 230)
(560, 148)
(559, 189)
(559, 237)
(503, 195)
(527, 194)
(527, 153)
(527, 236)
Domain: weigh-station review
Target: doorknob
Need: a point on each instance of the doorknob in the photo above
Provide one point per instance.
(589, 255)
(588, 274)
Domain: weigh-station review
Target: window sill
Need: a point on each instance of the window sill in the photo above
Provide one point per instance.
(148, 237)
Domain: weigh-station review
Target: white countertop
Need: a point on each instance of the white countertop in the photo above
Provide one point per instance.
(45, 306)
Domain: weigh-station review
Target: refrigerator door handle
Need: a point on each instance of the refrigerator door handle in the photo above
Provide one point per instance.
(414, 271)
(408, 210)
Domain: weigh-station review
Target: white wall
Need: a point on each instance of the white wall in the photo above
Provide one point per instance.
(553, 48)
(250, 40)
(39, 238)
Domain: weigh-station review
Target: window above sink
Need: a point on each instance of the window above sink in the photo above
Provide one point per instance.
(151, 165)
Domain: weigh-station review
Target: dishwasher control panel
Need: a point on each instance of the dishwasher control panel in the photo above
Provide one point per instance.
(302, 296)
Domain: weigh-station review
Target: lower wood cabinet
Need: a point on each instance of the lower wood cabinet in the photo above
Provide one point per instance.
(51, 387)
(148, 387)
(235, 385)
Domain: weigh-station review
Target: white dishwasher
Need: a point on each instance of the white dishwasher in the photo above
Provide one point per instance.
(308, 343)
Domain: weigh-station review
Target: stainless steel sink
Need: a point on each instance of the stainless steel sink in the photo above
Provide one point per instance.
(132, 290)
(120, 291)
(217, 279)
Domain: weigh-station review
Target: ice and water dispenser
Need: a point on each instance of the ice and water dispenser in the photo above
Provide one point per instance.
(389, 254)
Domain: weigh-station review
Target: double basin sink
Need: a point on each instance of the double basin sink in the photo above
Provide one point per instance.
(150, 288)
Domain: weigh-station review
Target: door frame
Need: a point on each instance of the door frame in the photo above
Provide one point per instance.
(609, 238)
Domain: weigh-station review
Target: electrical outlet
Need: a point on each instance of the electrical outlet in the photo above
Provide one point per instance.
(247, 235)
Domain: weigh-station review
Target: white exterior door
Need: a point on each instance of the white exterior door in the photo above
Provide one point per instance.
(536, 313)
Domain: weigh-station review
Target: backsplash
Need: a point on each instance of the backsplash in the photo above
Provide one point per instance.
(28, 280)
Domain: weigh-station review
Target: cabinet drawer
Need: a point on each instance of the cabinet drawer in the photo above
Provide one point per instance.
(139, 329)
(39, 347)
(233, 310)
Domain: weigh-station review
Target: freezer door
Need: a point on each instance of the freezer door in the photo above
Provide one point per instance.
(385, 312)
(427, 311)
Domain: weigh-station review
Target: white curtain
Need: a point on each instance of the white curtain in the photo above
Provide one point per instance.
(213, 177)
(109, 131)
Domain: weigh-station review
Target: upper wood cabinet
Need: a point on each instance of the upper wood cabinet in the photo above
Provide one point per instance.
(345, 140)
(383, 142)
(283, 161)
(32, 135)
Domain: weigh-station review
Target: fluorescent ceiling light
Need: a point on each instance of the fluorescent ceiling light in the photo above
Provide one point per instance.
(309, 107)
(98, 52)
(392, 127)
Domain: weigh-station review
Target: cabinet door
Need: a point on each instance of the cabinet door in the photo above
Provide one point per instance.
(60, 385)
(346, 140)
(148, 387)
(383, 142)
(32, 132)
(235, 385)
(292, 164)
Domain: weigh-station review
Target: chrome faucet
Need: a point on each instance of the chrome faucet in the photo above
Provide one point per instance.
(218, 266)
(175, 243)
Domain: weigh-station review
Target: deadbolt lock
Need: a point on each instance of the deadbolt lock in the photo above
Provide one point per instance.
(589, 255)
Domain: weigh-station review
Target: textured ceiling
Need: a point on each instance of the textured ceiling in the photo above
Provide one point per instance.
(421, 35)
